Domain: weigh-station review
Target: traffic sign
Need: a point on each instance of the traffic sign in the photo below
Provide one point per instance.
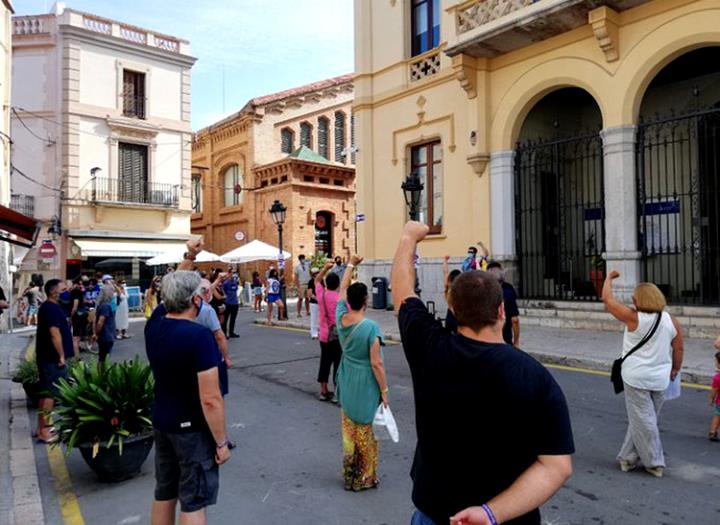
(239, 236)
(47, 250)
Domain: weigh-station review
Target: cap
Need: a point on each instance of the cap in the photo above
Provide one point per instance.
(314, 270)
(107, 277)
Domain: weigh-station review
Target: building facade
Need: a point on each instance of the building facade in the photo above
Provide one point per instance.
(101, 130)
(6, 249)
(294, 146)
(568, 137)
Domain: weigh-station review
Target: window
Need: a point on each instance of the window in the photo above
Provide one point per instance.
(133, 94)
(425, 25)
(352, 139)
(287, 137)
(306, 135)
(340, 137)
(426, 160)
(323, 130)
(232, 182)
(133, 172)
(196, 195)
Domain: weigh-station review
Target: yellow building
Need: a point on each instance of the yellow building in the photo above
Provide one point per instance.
(570, 139)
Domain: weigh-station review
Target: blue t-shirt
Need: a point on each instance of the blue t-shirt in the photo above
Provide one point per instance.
(107, 334)
(178, 350)
(52, 315)
(230, 287)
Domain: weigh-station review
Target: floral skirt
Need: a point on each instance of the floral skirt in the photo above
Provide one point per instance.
(360, 455)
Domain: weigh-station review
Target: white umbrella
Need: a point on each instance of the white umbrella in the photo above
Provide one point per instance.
(176, 256)
(253, 251)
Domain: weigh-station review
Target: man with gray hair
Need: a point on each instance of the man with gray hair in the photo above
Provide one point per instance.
(189, 414)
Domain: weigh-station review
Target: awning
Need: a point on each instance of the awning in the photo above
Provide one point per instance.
(18, 228)
(176, 256)
(114, 248)
(253, 251)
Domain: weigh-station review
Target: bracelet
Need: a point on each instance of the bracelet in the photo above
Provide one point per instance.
(490, 514)
(385, 390)
(350, 265)
(224, 443)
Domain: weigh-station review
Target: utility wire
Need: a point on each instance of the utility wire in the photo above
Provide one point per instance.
(47, 141)
(37, 115)
(19, 172)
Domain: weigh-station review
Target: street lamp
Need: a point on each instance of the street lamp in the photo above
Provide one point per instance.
(412, 187)
(277, 212)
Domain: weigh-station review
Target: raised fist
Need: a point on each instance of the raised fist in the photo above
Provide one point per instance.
(417, 231)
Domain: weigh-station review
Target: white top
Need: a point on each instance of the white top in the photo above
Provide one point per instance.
(302, 271)
(649, 367)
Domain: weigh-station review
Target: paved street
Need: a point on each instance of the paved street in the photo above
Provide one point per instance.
(287, 466)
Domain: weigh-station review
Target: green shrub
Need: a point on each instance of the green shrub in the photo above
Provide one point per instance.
(26, 372)
(104, 406)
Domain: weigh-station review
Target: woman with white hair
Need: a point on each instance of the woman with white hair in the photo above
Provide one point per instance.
(105, 322)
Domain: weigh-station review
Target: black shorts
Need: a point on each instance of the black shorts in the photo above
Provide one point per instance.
(79, 325)
(185, 469)
(50, 374)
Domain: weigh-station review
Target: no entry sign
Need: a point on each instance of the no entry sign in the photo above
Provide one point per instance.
(47, 250)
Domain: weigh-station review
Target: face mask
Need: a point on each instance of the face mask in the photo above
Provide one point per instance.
(471, 254)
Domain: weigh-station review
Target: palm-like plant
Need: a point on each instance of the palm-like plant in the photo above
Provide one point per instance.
(104, 405)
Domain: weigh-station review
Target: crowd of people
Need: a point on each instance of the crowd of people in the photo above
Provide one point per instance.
(467, 371)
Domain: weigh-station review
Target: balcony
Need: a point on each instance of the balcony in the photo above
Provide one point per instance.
(24, 204)
(489, 28)
(135, 193)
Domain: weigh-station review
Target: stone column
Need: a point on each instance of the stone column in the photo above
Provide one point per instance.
(621, 220)
(502, 205)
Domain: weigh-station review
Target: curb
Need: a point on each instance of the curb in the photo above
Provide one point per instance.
(599, 365)
(27, 501)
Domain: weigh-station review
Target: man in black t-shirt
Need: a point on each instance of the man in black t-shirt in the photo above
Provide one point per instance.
(53, 344)
(511, 328)
(493, 431)
(189, 413)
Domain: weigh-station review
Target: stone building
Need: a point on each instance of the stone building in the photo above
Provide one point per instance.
(101, 130)
(294, 146)
(570, 138)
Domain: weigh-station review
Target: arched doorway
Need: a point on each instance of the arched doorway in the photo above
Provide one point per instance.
(324, 233)
(559, 198)
(678, 179)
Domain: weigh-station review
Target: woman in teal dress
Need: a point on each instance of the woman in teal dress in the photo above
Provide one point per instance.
(361, 382)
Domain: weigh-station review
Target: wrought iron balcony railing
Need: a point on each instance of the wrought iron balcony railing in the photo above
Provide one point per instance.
(128, 191)
(24, 204)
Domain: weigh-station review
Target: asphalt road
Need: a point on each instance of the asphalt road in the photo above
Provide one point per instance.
(287, 467)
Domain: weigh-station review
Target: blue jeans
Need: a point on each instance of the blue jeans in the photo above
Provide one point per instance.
(421, 519)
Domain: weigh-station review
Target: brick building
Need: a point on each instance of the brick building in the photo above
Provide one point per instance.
(295, 146)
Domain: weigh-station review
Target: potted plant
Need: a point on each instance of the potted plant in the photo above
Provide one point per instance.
(27, 374)
(106, 413)
(597, 273)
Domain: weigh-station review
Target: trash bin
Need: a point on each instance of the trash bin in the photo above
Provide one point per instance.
(379, 293)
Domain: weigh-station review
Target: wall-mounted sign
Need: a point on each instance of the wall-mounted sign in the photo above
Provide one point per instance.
(47, 250)
(239, 236)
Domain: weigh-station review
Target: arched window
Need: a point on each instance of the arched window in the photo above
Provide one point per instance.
(340, 137)
(287, 138)
(232, 180)
(323, 131)
(306, 135)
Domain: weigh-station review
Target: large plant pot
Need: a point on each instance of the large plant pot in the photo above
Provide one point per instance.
(109, 465)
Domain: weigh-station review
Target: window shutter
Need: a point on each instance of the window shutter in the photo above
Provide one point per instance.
(306, 135)
(352, 138)
(323, 128)
(286, 138)
(133, 181)
(339, 136)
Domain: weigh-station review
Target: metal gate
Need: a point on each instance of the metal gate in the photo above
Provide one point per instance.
(678, 181)
(560, 218)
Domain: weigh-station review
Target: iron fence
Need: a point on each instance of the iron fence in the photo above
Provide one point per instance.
(135, 192)
(560, 218)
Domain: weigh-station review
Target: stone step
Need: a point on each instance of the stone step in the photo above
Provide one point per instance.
(697, 322)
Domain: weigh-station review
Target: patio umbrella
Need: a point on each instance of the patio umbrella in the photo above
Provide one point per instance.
(176, 256)
(253, 251)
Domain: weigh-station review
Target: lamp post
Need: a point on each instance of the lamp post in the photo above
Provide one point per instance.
(277, 212)
(412, 188)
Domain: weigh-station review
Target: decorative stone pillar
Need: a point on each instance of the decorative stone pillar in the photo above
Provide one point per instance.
(502, 205)
(621, 219)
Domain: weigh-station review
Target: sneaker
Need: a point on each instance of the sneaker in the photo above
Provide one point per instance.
(655, 471)
(334, 400)
(626, 466)
(324, 397)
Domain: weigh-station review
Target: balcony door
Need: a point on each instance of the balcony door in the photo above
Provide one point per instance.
(133, 173)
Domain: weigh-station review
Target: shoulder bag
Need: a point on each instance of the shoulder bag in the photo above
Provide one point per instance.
(616, 372)
(332, 328)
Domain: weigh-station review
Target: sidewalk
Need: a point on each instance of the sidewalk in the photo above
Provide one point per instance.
(20, 500)
(595, 350)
